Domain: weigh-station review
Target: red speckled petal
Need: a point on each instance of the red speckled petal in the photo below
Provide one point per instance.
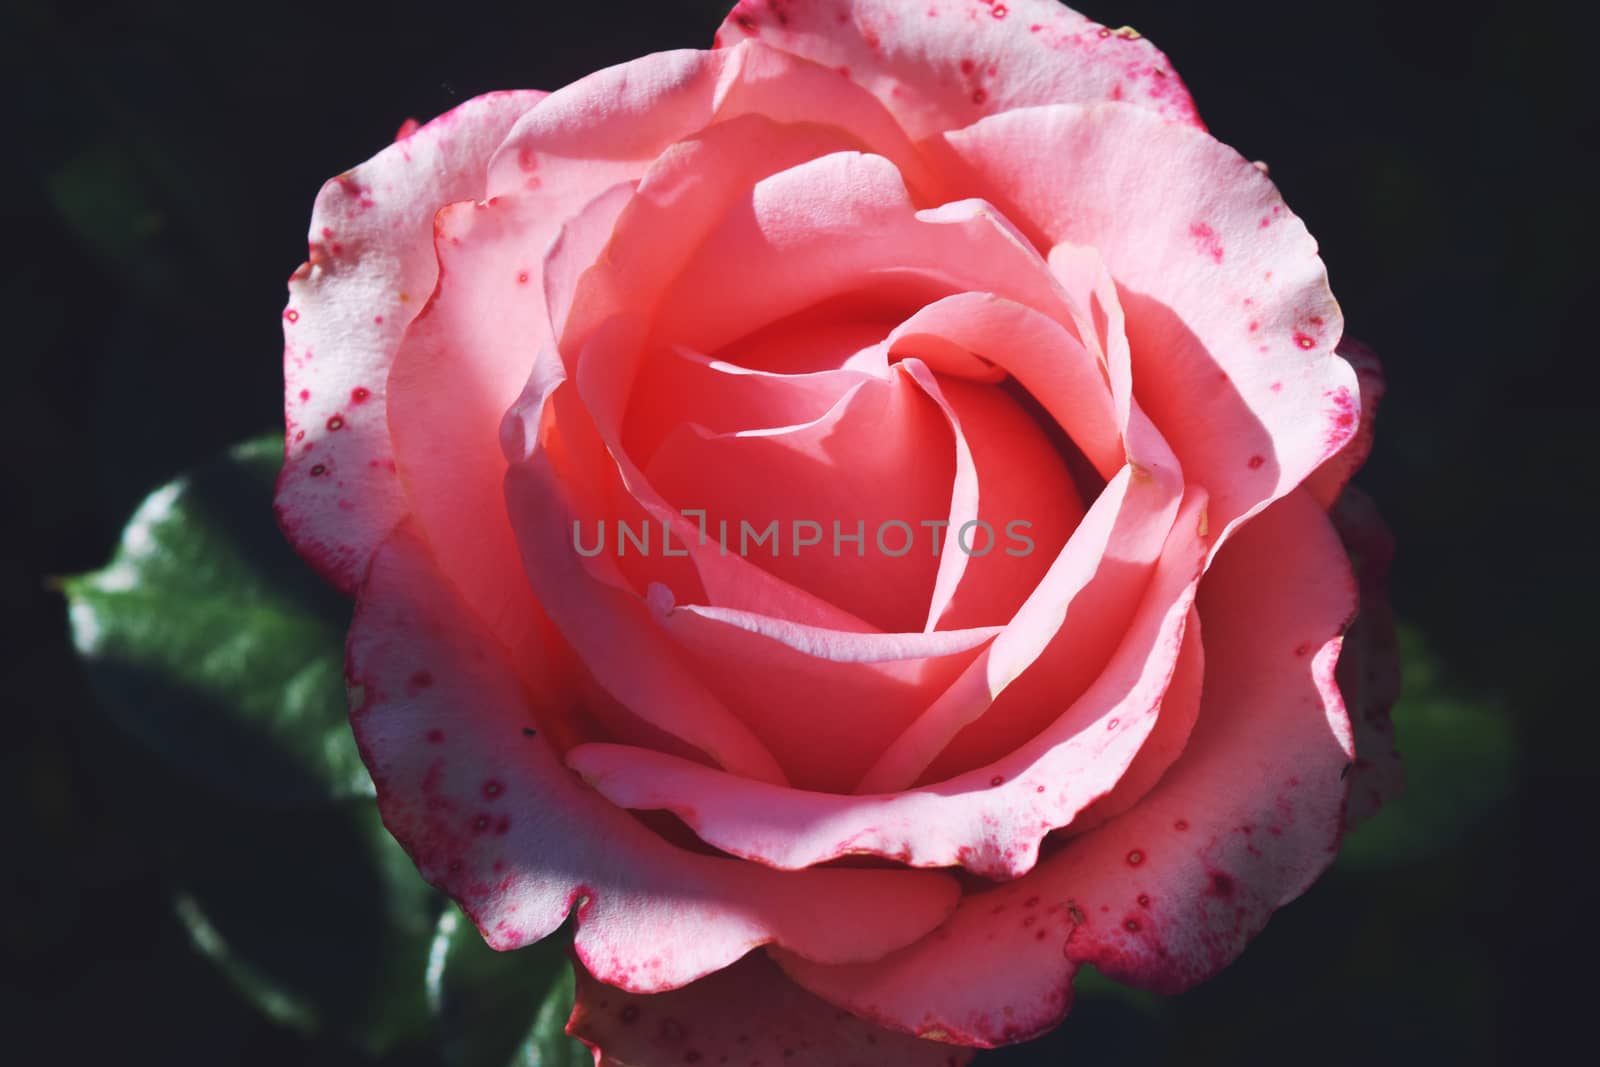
(371, 268)
(489, 815)
(1229, 318)
(1329, 480)
(747, 1015)
(989, 820)
(942, 64)
(1169, 893)
(1369, 666)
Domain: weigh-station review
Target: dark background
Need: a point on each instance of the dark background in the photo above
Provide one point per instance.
(162, 160)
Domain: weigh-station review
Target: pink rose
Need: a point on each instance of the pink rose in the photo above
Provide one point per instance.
(659, 425)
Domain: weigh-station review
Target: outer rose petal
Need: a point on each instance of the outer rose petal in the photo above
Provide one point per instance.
(1328, 480)
(1369, 668)
(749, 1013)
(942, 64)
(1228, 312)
(371, 268)
(1169, 893)
(490, 816)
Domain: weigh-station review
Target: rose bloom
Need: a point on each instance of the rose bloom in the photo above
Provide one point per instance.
(864, 261)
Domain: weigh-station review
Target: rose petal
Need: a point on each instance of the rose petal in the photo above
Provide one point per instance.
(608, 126)
(605, 339)
(883, 453)
(679, 195)
(1328, 480)
(1058, 642)
(1095, 582)
(681, 199)
(943, 64)
(1166, 741)
(1229, 316)
(557, 472)
(708, 574)
(824, 227)
(679, 386)
(826, 701)
(1069, 625)
(1007, 473)
(1033, 347)
(462, 362)
(1101, 322)
(489, 815)
(748, 1013)
(372, 266)
(1369, 666)
(581, 240)
(989, 820)
(1169, 893)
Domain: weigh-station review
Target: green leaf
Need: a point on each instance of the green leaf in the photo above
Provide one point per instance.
(209, 640)
(282, 1005)
(1089, 984)
(317, 917)
(1459, 752)
(501, 1009)
(547, 1044)
(221, 655)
